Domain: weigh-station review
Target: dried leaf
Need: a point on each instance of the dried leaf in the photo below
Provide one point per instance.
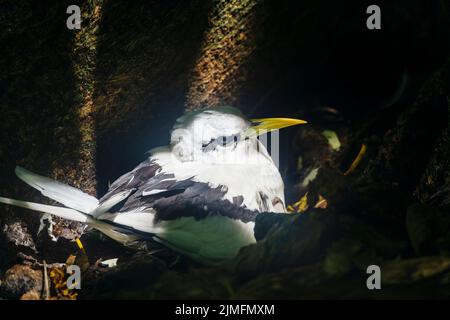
(322, 203)
(299, 206)
(357, 160)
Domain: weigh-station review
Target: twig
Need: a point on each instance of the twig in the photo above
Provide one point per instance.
(30, 261)
(47, 291)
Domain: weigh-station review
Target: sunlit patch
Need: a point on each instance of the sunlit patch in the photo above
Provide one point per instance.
(219, 70)
(84, 60)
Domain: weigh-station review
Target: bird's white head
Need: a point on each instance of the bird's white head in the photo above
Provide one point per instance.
(222, 135)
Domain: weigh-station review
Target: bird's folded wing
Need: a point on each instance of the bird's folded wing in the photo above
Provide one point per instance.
(149, 189)
(189, 216)
(169, 199)
(125, 185)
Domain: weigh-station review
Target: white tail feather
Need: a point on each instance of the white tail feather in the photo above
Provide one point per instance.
(65, 213)
(67, 195)
(71, 214)
(81, 205)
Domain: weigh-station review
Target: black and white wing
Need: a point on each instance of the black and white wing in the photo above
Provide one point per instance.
(188, 216)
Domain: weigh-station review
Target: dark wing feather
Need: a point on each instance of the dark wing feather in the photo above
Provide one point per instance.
(133, 179)
(172, 198)
(199, 201)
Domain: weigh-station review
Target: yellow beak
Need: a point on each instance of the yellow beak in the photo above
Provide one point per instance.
(260, 126)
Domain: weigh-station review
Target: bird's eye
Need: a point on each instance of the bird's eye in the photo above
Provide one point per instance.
(222, 141)
(226, 140)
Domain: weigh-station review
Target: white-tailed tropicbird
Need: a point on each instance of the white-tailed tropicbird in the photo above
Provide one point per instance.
(198, 196)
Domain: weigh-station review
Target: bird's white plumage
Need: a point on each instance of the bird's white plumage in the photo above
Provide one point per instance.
(246, 179)
(210, 148)
(209, 240)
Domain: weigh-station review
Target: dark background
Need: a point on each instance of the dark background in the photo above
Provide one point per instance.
(308, 55)
(132, 65)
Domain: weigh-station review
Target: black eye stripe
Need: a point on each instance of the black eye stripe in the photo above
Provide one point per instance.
(222, 140)
(204, 145)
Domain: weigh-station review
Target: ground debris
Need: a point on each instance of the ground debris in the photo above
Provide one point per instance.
(21, 280)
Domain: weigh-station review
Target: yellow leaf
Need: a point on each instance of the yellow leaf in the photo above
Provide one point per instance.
(357, 160)
(322, 203)
(300, 206)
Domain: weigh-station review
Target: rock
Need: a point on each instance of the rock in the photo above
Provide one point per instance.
(267, 222)
(300, 239)
(333, 186)
(345, 242)
(414, 270)
(371, 238)
(19, 280)
(340, 257)
(18, 234)
(292, 283)
(397, 166)
(404, 152)
(428, 229)
(400, 279)
(31, 295)
(434, 186)
(15, 237)
(131, 278)
(205, 283)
